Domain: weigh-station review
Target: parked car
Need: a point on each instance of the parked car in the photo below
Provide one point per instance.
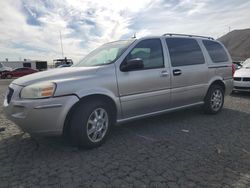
(122, 81)
(19, 72)
(242, 77)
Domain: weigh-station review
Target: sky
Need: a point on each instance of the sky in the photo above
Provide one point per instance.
(31, 28)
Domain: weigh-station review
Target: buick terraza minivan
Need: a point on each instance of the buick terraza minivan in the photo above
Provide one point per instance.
(121, 81)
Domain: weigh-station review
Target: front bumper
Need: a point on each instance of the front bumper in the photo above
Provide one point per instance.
(241, 86)
(39, 116)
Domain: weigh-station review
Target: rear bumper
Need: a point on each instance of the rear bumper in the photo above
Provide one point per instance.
(40, 116)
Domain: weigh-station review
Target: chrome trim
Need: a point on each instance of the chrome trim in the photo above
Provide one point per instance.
(158, 112)
(48, 106)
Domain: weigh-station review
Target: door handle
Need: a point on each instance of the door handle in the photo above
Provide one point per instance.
(164, 74)
(177, 72)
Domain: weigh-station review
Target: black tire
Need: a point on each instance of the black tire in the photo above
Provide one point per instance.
(211, 105)
(78, 123)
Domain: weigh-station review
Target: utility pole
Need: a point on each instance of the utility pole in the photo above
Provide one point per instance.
(229, 29)
(61, 44)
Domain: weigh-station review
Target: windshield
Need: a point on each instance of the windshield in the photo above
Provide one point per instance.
(105, 54)
(246, 63)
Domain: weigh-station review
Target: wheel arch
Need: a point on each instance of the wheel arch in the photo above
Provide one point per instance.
(87, 97)
(220, 83)
(216, 81)
(207, 99)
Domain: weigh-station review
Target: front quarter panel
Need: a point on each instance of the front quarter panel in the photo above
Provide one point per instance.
(103, 82)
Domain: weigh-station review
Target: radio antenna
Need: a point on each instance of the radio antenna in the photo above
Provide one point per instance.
(61, 44)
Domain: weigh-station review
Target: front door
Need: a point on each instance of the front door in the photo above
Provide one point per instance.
(145, 90)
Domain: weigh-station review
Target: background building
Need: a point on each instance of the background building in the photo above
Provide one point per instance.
(34, 64)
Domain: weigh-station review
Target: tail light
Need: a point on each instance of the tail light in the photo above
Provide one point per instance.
(233, 69)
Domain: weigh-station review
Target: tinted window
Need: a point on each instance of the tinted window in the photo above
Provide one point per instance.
(216, 51)
(184, 52)
(26, 64)
(150, 51)
(41, 65)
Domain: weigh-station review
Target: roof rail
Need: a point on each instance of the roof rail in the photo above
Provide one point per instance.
(185, 35)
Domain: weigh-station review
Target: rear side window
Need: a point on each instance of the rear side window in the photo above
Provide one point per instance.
(184, 52)
(215, 51)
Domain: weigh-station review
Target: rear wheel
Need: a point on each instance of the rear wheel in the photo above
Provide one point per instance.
(90, 123)
(214, 99)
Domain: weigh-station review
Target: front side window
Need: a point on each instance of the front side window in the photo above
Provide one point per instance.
(215, 51)
(184, 51)
(150, 51)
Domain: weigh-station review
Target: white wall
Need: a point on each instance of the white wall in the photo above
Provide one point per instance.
(19, 64)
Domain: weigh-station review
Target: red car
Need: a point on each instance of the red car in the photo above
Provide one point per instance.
(18, 72)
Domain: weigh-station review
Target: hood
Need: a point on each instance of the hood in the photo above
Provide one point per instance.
(55, 74)
(243, 72)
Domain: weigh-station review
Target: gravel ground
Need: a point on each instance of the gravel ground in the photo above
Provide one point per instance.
(181, 149)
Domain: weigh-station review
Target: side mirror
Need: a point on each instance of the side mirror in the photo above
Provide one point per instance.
(132, 64)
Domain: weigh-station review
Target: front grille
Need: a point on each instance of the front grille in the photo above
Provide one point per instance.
(237, 78)
(9, 95)
(246, 79)
(237, 87)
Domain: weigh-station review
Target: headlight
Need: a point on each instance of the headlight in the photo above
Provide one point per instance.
(37, 91)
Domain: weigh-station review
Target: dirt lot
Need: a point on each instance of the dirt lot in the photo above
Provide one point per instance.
(181, 149)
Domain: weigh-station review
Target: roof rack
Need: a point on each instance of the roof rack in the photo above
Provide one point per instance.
(185, 35)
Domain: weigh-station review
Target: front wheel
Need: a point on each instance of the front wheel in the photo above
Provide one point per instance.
(91, 123)
(214, 99)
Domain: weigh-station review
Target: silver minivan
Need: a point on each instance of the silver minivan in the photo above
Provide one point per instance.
(121, 81)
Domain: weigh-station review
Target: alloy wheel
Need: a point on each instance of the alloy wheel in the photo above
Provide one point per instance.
(97, 125)
(216, 100)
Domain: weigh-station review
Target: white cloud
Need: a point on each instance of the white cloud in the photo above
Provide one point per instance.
(30, 28)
